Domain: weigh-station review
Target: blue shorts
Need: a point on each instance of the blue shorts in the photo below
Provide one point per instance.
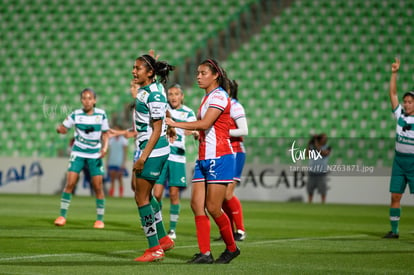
(114, 168)
(219, 170)
(240, 158)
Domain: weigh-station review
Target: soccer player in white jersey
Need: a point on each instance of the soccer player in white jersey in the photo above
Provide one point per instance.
(214, 169)
(403, 165)
(174, 172)
(91, 144)
(150, 114)
(238, 129)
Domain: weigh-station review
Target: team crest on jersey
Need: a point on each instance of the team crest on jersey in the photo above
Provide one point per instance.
(142, 95)
(98, 119)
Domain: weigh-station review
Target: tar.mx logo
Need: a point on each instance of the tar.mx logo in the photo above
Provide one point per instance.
(297, 153)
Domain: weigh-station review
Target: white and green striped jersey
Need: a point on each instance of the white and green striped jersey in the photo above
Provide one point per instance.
(404, 138)
(182, 114)
(151, 104)
(88, 131)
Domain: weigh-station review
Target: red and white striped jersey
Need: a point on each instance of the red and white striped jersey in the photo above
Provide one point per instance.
(215, 141)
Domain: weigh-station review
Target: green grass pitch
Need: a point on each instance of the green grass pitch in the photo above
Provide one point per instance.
(283, 238)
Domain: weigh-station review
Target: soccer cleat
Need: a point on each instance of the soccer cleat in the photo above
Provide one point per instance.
(60, 221)
(166, 243)
(227, 256)
(172, 235)
(200, 258)
(151, 255)
(240, 235)
(391, 235)
(98, 224)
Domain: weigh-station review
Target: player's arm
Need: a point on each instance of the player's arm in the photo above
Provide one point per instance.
(242, 128)
(393, 84)
(208, 120)
(61, 129)
(104, 148)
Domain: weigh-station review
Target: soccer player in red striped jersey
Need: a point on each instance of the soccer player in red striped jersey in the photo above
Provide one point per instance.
(232, 206)
(214, 169)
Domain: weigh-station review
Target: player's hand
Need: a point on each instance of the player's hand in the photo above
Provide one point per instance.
(61, 129)
(171, 134)
(169, 121)
(103, 153)
(139, 165)
(396, 65)
(130, 134)
(196, 134)
(152, 53)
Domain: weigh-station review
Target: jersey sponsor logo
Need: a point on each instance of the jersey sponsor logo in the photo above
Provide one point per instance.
(219, 97)
(157, 97)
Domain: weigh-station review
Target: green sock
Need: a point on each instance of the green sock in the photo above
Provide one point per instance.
(147, 221)
(100, 209)
(64, 203)
(174, 214)
(395, 214)
(158, 218)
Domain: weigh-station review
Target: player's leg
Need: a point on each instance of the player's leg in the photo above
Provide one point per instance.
(121, 183)
(202, 222)
(397, 187)
(112, 177)
(174, 210)
(311, 186)
(177, 179)
(148, 208)
(97, 172)
(323, 186)
(75, 166)
(234, 212)
(217, 179)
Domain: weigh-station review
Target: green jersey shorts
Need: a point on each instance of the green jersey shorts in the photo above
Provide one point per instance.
(152, 168)
(76, 164)
(174, 174)
(402, 173)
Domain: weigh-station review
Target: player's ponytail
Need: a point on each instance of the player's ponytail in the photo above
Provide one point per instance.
(159, 68)
(234, 88)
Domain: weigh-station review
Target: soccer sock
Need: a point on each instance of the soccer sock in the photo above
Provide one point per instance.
(236, 212)
(64, 203)
(395, 214)
(147, 221)
(203, 233)
(158, 218)
(100, 209)
(121, 191)
(227, 210)
(226, 232)
(174, 214)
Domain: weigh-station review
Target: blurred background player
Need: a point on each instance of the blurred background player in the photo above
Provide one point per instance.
(214, 169)
(238, 129)
(150, 113)
(318, 166)
(403, 165)
(91, 144)
(117, 153)
(174, 173)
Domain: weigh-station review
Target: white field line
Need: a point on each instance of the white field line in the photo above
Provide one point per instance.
(247, 243)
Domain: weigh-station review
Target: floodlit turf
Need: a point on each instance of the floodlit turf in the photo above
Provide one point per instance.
(283, 238)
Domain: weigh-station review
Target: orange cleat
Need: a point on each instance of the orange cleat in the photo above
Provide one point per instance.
(60, 221)
(99, 224)
(151, 255)
(166, 243)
